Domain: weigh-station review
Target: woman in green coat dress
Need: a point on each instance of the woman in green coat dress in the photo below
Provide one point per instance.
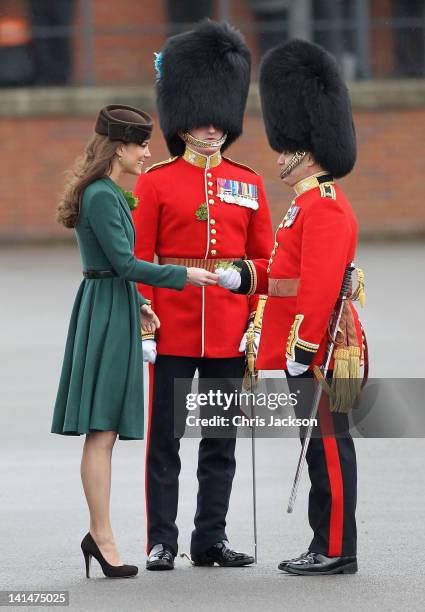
(101, 386)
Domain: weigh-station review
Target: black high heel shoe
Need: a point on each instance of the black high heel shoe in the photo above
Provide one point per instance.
(90, 549)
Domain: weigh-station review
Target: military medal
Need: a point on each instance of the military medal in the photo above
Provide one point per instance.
(236, 192)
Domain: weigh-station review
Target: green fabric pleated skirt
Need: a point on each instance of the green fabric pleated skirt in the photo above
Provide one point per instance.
(101, 384)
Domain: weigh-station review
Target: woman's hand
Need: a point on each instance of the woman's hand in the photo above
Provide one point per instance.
(200, 277)
(149, 320)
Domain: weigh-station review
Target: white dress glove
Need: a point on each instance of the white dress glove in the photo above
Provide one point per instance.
(295, 368)
(228, 278)
(149, 350)
(242, 346)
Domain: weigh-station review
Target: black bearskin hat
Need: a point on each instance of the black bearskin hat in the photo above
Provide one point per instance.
(202, 79)
(306, 106)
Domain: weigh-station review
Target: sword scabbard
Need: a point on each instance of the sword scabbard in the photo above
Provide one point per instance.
(334, 324)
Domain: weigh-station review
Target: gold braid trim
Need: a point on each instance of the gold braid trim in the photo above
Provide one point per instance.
(203, 144)
(253, 277)
(294, 341)
(161, 163)
(295, 161)
(306, 346)
(232, 161)
(250, 379)
(293, 336)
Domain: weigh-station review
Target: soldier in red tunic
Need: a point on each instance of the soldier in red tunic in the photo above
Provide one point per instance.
(202, 207)
(308, 120)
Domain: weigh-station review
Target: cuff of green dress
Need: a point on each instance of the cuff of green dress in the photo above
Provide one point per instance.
(142, 300)
(181, 272)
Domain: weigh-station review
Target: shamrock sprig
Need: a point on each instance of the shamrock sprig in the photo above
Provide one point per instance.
(131, 199)
(226, 265)
(202, 213)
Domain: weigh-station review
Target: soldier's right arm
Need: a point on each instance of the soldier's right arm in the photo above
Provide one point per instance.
(254, 276)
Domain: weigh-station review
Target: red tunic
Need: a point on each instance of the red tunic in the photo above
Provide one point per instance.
(201, 321)
(313, 245)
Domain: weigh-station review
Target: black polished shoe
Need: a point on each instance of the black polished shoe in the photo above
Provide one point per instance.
(286, 561)
(160, 558)
(316, 564)
(90, 549)
(221, 554)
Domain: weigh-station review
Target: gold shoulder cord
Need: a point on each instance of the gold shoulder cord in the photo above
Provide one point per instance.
(161, 163)
(232, 161)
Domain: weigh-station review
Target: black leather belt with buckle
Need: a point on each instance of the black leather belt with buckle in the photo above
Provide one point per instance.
(98, 273)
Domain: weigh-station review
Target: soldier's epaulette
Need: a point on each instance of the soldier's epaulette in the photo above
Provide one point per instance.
(232, 161)
(327, 190)
(161, 163)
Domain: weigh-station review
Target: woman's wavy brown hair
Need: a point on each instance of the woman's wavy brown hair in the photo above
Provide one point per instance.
(92, 165)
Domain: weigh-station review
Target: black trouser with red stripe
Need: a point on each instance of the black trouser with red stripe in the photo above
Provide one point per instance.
(216, 458)
(332, 468)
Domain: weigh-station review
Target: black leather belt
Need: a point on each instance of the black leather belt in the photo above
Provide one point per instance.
(98, 273)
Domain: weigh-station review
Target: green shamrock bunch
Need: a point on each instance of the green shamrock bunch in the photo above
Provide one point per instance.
(131, 199)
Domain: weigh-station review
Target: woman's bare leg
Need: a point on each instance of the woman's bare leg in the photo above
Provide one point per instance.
(96, 478)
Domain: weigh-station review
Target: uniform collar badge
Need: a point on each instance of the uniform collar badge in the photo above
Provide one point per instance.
(291, 215)
(202, 161)
(311, 182)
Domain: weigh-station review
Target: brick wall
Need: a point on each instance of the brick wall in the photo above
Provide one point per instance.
(128, 58)
(385, 188)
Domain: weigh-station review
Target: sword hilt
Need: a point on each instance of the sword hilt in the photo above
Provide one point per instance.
(345, 287)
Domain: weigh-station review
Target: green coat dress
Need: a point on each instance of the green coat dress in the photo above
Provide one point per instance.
(101, 385)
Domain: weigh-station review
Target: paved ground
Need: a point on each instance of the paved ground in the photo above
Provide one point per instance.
(42, 512)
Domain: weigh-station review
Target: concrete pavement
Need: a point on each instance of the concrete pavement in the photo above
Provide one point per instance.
(42, 510)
